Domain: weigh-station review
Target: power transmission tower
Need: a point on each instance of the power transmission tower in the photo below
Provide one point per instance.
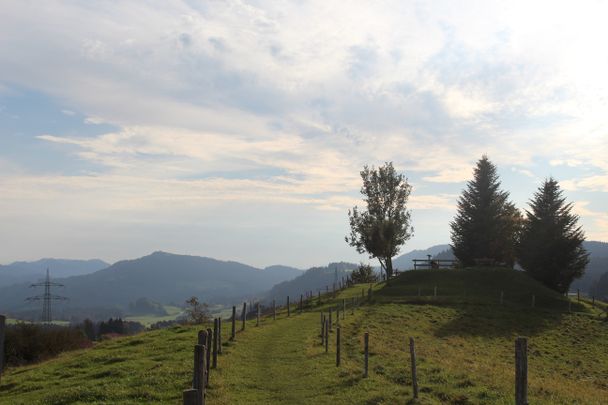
(47, 297)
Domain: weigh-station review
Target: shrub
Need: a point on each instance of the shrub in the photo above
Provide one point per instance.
(30, 343)
(364, 274)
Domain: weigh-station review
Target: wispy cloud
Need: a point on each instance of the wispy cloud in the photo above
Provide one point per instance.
(285, 102)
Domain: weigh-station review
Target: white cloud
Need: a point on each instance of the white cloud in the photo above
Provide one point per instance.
(285, 102)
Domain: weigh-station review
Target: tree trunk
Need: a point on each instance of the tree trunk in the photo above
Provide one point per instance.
(382, 267)
(389, 268)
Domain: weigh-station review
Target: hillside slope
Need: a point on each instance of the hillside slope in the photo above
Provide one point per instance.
(464, 343)
(404, 262)
(29, 272)
(314, 279)
(163, 277)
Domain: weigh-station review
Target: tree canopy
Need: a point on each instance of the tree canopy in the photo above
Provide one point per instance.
(487, 223)
(551, 243)
(197, 312)
(384, 226)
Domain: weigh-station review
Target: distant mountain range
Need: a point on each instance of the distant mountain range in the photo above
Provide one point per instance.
(169, 278)
(163, 277)
(405, 261)
(598, 263)
(22, 272)
(314, 279)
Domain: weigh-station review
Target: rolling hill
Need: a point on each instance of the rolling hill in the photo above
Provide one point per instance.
(314, 279)
(464, 343)
(162, 277)
(29, 272)
(404, 262)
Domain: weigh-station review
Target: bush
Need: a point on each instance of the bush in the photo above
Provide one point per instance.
(28, 343)
(364, 274)
(197, 312)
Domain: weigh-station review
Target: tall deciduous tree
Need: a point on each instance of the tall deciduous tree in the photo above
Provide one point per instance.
(486, 224)
(384, 226)
(551, 243)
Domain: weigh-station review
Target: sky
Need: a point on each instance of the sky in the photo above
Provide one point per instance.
(237, 129)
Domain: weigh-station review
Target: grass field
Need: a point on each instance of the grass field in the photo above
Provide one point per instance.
(147, 320)
(464, 340)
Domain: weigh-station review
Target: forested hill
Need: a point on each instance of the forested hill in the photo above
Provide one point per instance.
(22, 272)
(311, 280)
(163, 277)
(404, 262)
(598, 265)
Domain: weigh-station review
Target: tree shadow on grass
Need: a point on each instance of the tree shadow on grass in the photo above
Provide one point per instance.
(493, 321)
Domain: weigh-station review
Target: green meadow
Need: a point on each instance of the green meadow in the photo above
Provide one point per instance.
(464, 341)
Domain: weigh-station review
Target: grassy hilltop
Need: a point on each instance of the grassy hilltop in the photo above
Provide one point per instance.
(464, 341)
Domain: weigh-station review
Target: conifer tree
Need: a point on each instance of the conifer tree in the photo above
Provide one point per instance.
(551, 243)
(486, 224)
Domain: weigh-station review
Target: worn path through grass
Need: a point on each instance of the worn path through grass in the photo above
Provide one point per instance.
(276, 363)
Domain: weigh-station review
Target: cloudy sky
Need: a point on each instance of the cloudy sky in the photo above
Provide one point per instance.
(237, 129)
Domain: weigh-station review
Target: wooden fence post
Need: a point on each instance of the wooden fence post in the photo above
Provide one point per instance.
(337, 316)
(301, 304)
(578, 294)
(233, 331)
(190, 397)
(219, 335)
(244, 315)
(322, 329)
(208, 354)
(502, 297)
(2, 334)
(274, 310)
(413, 360)
(319, 303)
(257, 314)
(288, 307)
(202, 337)
(366, 353)
(326, 335)
(352, 308)
(215, 330)
(198, 379)
(521, 371)
(203, 340)
(338, 347)
(330, 323)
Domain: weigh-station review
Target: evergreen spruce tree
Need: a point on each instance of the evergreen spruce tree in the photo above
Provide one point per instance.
(486, 224)
(551, 243)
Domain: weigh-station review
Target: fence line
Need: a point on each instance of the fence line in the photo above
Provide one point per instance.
(2, 332)
(212, 340)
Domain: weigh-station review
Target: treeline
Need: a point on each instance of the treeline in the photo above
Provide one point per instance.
(545, 240)
(27, 343)
(111, 327)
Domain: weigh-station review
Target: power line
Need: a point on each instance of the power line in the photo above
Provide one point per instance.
(47, 297)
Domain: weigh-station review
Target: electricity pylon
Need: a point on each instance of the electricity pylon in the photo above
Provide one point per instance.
(47, 297)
